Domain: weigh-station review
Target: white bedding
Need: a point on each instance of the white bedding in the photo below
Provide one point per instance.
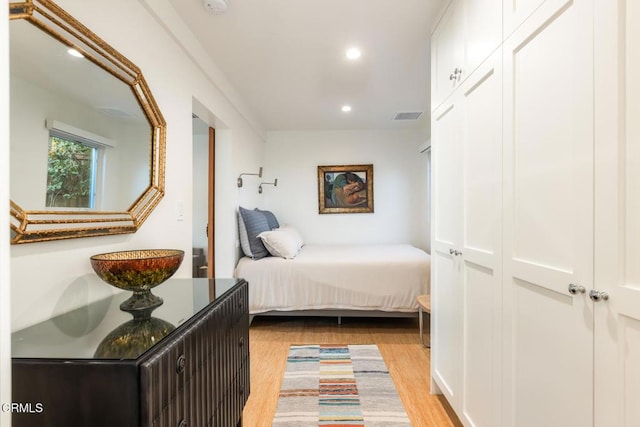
(344, 277)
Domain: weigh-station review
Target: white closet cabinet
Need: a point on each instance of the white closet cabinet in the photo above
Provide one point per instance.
(548, 217)
(568, 305)
(468, 32)
(466, 254)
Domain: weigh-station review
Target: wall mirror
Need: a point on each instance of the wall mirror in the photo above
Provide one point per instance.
(87, 140)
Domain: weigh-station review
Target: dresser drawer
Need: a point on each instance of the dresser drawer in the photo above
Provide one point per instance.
(162, 378)
(194, 371)
(229, 410)
(183, 371)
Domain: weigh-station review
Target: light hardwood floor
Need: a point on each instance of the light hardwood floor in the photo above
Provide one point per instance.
(398, 340)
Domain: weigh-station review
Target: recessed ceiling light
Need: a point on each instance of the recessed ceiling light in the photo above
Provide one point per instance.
(346, 108)
(216, 6)
(75, 53)
(353, 53)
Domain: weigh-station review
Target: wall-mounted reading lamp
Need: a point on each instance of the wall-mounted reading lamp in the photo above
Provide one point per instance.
(259, 174)
(274, 183)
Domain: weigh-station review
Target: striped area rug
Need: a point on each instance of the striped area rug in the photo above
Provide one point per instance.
(338, 385)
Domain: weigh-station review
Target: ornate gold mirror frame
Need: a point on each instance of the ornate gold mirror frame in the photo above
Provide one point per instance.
(44, 225)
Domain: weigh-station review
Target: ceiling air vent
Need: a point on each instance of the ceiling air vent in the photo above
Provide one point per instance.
(408, 115)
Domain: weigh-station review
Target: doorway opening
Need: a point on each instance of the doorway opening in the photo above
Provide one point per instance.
(203, 198)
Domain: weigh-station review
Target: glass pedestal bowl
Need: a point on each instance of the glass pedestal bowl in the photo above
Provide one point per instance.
(138, 271)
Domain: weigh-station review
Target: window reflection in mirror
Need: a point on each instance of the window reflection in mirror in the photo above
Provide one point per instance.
(71, 174)
(47, 84)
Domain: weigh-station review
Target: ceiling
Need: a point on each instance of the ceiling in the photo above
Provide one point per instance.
(286, 58)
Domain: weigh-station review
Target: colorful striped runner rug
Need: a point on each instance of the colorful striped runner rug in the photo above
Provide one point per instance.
(338, 385)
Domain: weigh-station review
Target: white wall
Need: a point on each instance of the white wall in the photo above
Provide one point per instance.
(227, 198)
(399, 180)
(53, 277)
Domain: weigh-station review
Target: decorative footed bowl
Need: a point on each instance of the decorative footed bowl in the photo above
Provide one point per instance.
(138, 271)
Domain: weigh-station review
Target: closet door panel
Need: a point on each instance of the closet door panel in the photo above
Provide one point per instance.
(548, 217)
(544, 142)
(624, 304)
(447, 49)
(549, 143)
(446, 347)
(481, 161)
(618, 221)
(481, 346)
(629, 294)
(550, 362)
(629, 330)
(483, 31)
(631, 158)
(446, 175)
(481, 158)
(446, 323)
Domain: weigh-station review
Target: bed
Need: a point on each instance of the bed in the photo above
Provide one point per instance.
(367, 278)
(330, 280)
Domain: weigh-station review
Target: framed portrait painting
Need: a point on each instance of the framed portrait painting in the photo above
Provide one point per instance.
(345, 189)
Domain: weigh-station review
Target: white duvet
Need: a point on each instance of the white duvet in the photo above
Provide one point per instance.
(349, 277)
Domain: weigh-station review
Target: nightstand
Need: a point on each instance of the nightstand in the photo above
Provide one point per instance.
(424, 306)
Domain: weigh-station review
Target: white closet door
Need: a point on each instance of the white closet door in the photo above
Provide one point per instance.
(617, 357)
(548, 217)
(483, 31)
(445, 285)
(481, 157)
(447, 49)
(626, 307)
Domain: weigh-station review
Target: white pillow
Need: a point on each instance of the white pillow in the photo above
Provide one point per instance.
(294, 233)
(283, 242)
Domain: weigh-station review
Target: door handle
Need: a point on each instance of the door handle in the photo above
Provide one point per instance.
(576, 289)
(598, 295)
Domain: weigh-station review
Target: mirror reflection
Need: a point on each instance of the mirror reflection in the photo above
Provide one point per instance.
(79, 138)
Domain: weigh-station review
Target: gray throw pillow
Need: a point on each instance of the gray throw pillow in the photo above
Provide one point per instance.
(250, 224)
(271, 219)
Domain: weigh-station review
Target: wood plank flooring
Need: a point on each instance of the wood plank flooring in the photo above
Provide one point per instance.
(398, 341)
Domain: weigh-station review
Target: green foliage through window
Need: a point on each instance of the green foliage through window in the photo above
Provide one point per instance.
(70, 174)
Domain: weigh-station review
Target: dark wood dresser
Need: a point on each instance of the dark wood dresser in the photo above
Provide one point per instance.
(187, 367)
